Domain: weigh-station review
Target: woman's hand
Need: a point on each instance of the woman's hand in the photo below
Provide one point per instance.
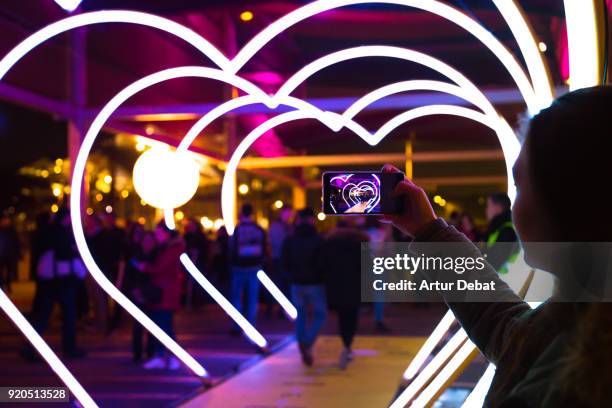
(417, 211)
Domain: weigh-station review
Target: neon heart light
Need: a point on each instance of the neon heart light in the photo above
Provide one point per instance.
(354, 194)
(537, 94)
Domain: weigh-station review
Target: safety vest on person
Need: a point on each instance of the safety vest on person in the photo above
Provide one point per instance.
(492, 239)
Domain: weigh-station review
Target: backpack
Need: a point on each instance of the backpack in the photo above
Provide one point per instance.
(249, 245)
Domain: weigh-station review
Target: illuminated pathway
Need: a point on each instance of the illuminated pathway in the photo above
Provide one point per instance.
(281, 380)
(370, 381)
(108, 373)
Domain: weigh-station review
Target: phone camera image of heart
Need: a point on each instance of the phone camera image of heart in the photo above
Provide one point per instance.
(355, 193)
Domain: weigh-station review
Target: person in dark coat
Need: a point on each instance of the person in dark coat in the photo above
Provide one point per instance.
(10, 252)
(340, 260)
(560, 353)
(58, 283)
(501, 239)
(139, 252)
(298, 259)
(197, 247)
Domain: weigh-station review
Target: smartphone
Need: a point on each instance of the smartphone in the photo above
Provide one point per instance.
(360, 193)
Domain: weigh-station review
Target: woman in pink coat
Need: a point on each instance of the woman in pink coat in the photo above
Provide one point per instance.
(166, 278)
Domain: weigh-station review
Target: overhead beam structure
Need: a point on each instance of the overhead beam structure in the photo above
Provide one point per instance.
(249, 163)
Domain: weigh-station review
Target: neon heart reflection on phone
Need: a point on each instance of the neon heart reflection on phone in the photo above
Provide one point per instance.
(360, 193)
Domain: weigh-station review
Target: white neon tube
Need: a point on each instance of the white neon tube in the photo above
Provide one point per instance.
(528, 44)
(77, 181)
(479, 393)
(509, 143)
(169, 218)
(425, 397)
(280, 297)
(45, 351)
(240, 320)
(68, 5)
(382, 51)
(427, 347)
(433, 6)
(112, 16)
(583, 43)
(430, 369)
(227, 193)
(407, 86)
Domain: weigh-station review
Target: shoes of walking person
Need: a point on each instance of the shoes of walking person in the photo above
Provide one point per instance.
(381, 328)
(173, 363)
(306, 354)
(262, 350)
(76, 353)
(345, 357)
(155, 363)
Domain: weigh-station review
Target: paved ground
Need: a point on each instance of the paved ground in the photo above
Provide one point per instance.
(114, 381)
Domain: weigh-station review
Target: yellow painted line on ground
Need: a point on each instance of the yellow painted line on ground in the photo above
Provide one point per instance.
(370, 381)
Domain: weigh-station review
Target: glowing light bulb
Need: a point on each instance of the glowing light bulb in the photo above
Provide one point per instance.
(125, 194)
(218, 223)
(179, 215)
(243, 189)
(437, 199)
(166, 179)
(54, 208)
(206, 222)
(140, 147)
(321, 216)
(57, 189)
(278, 204)
(542, 46)
(108, 179)
(246, 15)
(108, 209)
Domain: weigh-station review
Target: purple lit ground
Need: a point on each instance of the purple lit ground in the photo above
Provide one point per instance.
(114, 381)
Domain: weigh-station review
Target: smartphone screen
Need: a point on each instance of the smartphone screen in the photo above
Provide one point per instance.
(360, 193)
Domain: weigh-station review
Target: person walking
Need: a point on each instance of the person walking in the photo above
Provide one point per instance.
(247, 254)
(340, 258)
(298, 255)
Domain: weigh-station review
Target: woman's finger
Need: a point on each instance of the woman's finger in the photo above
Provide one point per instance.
(389, 168)
(405, 187)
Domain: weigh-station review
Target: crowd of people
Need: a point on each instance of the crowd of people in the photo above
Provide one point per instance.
(318, 272)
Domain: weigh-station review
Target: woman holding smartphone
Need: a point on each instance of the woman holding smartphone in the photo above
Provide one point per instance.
(560, 354)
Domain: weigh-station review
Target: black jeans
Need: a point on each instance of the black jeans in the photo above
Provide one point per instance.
(62, 291)
(347, 323)
(165, 320)
(8, 272)
(138, 333)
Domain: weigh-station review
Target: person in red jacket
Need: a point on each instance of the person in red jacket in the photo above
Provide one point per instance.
(166, 273)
